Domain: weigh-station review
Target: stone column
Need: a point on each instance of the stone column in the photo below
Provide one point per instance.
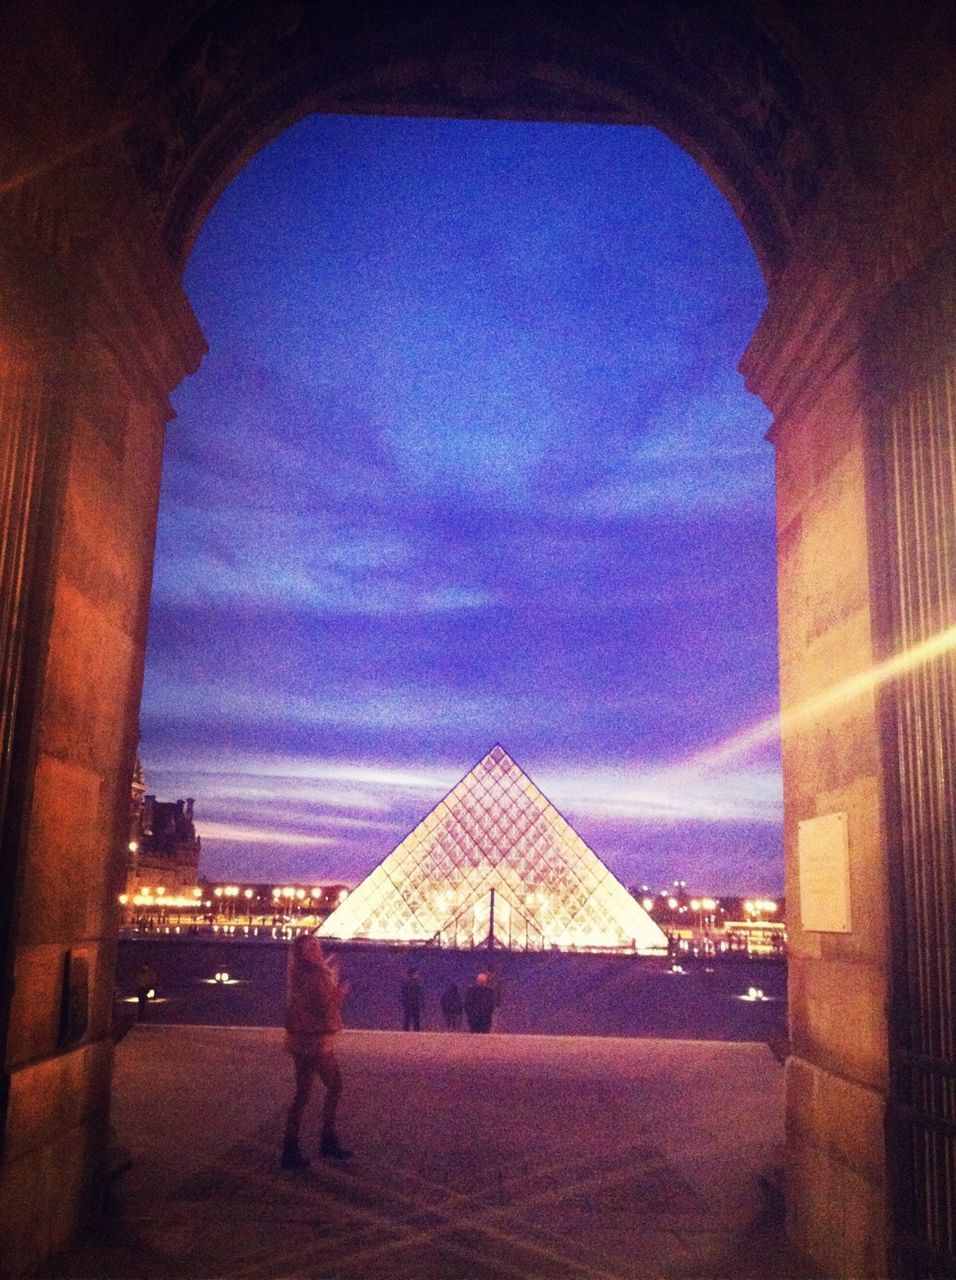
(828, 359)
(807, 363)
(81, 439)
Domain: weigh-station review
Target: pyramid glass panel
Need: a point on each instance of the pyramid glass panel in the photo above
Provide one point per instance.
(494, 863)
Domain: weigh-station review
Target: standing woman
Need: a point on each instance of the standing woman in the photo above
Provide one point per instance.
(313, 1019)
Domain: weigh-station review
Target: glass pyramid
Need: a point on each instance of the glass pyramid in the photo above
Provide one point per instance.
(495, 860)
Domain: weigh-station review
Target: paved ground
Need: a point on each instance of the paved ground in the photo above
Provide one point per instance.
(505, 1157)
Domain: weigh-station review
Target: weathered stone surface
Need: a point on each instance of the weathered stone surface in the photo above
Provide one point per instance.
(838, 1016)
(840, 1117)
(57, 1094)
(49, 1193)
(836, 1216)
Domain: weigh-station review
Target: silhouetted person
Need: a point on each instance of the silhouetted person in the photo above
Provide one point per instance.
(495, 983)
(313, 1019)
(413, 1000)
(451, 1006)
(146, 983)
(480, 1004)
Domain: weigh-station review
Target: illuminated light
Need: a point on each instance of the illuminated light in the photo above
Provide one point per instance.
(160, 891)
(749, 906)
(300, 894)
(694, 904)
(247, 893)
(133, 846)
(770, 906)
(672, 903)
(316, 893)
(145, 891)
(124, 898)
(709, 904)
(648, 904)
(151, 994)
(217, 892)
(197, 893)
(276, 893)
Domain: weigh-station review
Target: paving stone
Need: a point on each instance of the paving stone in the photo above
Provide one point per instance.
(519, 1158)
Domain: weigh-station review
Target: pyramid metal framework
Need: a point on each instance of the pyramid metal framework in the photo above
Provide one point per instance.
(495, 864)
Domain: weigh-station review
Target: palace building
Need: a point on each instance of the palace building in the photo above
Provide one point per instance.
(495, 865)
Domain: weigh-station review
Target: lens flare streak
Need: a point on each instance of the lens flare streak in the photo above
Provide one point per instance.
(742, 744)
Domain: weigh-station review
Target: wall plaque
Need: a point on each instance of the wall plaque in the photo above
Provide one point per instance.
(74, 1000)
(823, 860)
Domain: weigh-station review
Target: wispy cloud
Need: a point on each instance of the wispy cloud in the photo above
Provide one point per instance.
(238, 833)
(473, 465)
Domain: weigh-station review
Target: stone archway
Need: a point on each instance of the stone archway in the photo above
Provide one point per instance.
(828, 133)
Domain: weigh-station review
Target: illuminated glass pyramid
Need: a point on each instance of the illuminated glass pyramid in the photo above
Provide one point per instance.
(495, 860)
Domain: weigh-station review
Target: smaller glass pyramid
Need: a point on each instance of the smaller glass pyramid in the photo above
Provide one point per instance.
(494, 863)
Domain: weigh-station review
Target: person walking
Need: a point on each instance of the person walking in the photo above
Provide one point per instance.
(451, 1006)
(146, 983)
(480, 1004)
(413, 1001)
(313, 1019)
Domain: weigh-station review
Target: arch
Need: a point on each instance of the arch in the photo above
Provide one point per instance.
(711, 79)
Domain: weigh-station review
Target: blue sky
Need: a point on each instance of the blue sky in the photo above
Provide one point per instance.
(468, 462)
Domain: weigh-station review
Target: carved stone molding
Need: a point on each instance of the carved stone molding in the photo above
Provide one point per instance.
(707, 74)
(858, 246)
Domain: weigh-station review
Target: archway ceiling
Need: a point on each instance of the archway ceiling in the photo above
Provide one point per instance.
(226, 78)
